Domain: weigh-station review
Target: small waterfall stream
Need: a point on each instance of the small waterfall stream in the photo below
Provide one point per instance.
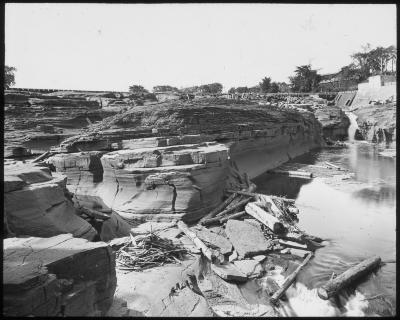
(353, 126)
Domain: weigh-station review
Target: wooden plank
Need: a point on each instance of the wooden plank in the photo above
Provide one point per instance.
(254, 195)
(302, 174)
(333, 286)
(233, 208)
(42, 156)
(292, 244)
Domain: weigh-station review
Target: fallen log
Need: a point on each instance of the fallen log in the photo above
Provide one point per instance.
(207, 252)
(292, 244)
(221, 207)
(261, 215)
(219, 215)
(233, 216)
(289, 280)
(332, 165)
(302, 174)
(333, 286)
(251, 194)
(42, 156)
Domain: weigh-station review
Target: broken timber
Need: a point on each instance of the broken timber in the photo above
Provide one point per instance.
(261, 215)
(222, 206)
(219, 215)
(233, 216)
(289, 280)
(251, 194)
(94, 213)
(332, 165)
(207, 252)
(333, 286)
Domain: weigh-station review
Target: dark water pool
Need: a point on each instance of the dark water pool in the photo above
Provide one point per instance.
(358, 219)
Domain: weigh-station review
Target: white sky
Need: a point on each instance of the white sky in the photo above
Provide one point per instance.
(112, 46)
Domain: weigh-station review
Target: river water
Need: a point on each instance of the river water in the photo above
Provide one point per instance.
(357, 217)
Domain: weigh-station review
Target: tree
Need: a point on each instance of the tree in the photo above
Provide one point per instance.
(9, 77)
(165, 88)
(212, 88)
(274, 88)
(305, 79)
(265, 85)
(232, 90)
(137, 90)
(242, 90)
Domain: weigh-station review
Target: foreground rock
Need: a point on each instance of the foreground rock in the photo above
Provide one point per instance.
(37, 204)
(247, 238)
(57, 276)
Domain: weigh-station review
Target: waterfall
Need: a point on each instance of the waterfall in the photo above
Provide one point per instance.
(353, 126)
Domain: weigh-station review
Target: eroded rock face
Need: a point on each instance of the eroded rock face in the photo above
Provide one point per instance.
(174, 160)
(377, 123)
(57, 276)
(335, 122)
(34, 121)
(36, 204)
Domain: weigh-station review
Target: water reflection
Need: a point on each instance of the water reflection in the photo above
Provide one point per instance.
(359, 223)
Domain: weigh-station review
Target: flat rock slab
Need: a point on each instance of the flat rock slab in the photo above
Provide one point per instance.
(226, 299)
(229, 272)
(35, 271)
(247, 238)
(251, 268)
(213, 240)
(12, 183)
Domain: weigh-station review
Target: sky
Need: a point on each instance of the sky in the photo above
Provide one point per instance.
(113, 46)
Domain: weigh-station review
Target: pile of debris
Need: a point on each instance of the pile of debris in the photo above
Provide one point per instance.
(147, 251)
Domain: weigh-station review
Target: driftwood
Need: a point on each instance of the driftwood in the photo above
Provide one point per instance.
(332, 165)
(254, 195)
(289, 280)
(333, 286)
(302, 174)
(207, 252)
(292, 244)
(233, 216)
(42, 156)
(261, 215)
(219, 208)
(226, 211)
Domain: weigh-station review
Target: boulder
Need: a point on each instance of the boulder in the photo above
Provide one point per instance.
(247, 238)
(57, 276)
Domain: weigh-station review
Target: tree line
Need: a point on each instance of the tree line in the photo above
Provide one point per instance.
(368, 62)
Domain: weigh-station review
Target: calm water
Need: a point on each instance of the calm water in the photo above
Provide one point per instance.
(358, 219)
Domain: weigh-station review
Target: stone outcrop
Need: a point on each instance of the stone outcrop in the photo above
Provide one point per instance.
(175, 159)
(57, 276)
(334, 121)
(37, 204)
(35, 121)
(377, 123)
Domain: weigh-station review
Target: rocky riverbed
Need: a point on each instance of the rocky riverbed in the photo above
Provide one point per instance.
(158, 163)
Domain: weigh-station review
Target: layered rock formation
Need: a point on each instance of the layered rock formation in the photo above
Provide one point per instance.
(172, 160)
(377, 123)
(37, 204)
(36, 121)
(57, 276)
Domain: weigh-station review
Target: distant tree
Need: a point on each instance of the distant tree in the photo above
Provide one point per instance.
(165, 88)
(265, 85)
(232, 90)
(212, 88)
(255, 89)
(137, 90)
(305, 79)
(9, 76)
(242, 90)
(274, 87)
